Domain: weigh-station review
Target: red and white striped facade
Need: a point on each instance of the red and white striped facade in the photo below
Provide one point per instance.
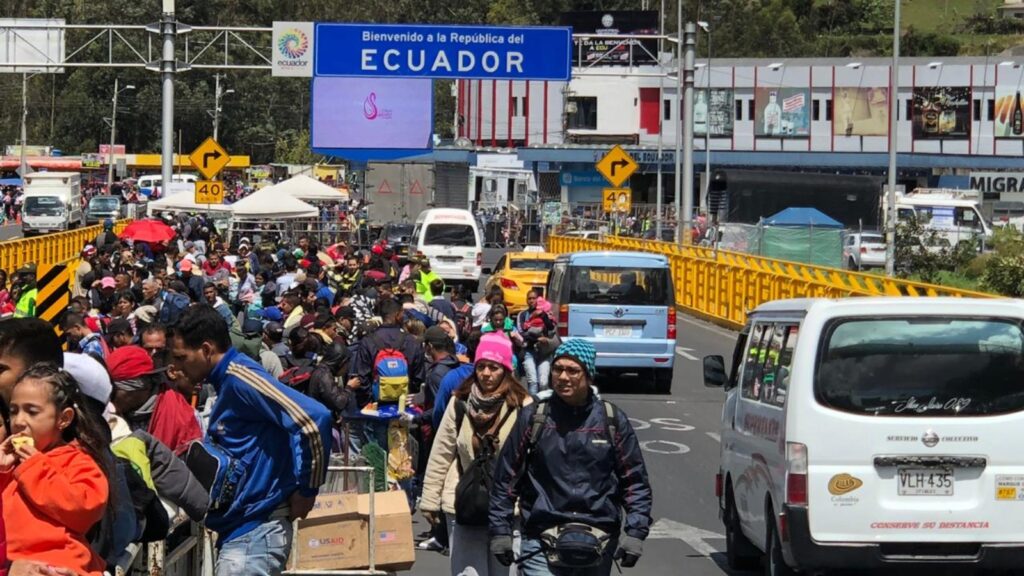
(506, 113)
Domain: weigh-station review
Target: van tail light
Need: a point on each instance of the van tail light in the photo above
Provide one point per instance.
(796, 474)
(508, 284)
(479, 258)
(718, 485)
(670, 331)
(563, 320)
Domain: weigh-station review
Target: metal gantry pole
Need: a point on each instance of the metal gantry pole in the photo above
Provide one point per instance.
(113, 130)
(894, 92)
(690, 41)
(168, 30)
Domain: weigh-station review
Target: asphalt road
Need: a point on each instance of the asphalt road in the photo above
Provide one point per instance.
(10, 232)
(679, 438)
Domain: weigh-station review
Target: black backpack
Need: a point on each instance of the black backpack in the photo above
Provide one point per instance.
(473, 492)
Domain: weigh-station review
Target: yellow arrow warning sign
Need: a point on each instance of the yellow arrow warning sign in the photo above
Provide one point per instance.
(617, 166)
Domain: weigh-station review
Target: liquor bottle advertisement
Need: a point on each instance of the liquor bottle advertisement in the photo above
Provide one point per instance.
(942, 112)
(1009, 112)
(715, 110)
(782, 112)
(861, 112)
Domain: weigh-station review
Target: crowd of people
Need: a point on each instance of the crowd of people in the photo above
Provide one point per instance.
(218, 381)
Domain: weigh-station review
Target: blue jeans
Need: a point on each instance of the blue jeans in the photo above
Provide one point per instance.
(262, 552)
(537, 564)
(538, 374)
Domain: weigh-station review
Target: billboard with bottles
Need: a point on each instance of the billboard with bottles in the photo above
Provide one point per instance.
(942, 112)
(1009, 118)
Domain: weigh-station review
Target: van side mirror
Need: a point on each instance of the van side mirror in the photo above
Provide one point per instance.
(487, 271)
(714, 372)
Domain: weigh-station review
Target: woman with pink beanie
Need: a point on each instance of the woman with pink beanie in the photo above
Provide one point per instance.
(474, 427)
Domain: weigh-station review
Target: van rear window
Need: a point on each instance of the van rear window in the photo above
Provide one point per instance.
(617, 285)
(450, 235)
(922, 367)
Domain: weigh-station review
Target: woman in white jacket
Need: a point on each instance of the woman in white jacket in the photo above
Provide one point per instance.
(479, 418)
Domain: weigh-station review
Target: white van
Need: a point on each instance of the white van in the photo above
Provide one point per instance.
(873, 432)
(151, 183)
(451, 239)
(52, 203)
(954, 214)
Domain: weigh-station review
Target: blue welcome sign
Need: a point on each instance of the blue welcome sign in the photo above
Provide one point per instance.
(427, 51)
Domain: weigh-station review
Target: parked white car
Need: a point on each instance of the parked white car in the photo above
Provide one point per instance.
(864, 250)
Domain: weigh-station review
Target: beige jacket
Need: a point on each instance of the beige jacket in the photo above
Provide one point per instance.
(442, 473)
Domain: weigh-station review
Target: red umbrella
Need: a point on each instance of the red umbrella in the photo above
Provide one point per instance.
(152, 231)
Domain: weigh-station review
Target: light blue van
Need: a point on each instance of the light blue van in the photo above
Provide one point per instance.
(624, 304)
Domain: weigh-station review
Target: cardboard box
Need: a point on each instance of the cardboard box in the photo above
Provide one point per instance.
(336, 535)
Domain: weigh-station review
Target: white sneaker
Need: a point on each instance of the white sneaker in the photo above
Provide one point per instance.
(431, 544)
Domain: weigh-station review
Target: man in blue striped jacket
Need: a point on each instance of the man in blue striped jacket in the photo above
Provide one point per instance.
(281, 437)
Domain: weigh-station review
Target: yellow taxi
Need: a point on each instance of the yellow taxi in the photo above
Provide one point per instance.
(517, 272)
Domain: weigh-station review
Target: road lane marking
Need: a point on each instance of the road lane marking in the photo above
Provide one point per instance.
(693, 536)
(685, 353)
(714, 436)
(671, 447)
(714, 329)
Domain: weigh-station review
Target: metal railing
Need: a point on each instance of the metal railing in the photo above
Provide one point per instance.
(50, 248)
(723, 286)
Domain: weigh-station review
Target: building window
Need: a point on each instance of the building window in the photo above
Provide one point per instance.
(515, 106)
(739, 109)
(582, 113)
(828, 110)
(908, 111)
(977, 110)
(667, 113)
(991, 105)
(751, 113)
(816, 110)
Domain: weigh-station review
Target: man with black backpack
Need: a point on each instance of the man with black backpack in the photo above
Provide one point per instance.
(572, 464)
(387, 345)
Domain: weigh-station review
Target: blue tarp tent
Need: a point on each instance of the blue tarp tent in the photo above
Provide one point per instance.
(811, 217)
(10, 181)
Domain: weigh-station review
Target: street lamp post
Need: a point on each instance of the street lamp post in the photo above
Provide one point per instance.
(706, 27)
(218, 94)
(894, 92)
(113, 132)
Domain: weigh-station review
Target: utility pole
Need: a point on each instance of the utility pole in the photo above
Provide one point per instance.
(690, 42)
(705, 198)
(894, 92)
(679, 121)
(168, 29)
(23, 165)
(113, 132)
(660, 195)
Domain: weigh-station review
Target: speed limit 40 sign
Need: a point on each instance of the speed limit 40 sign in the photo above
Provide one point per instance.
(209, 192)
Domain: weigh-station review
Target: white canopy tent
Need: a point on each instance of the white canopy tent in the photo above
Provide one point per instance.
(309, 189)
(270, 204)
(184, 202)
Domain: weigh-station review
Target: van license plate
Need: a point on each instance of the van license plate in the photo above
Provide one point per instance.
(617, 332)
(925, 482)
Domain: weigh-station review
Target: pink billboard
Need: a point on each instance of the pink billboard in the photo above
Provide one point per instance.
(372, 113)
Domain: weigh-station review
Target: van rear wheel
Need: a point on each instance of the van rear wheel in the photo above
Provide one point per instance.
(740, 553)
(663, 381)
(775, 561)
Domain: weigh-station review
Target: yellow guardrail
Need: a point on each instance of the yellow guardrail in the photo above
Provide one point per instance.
(50, 248)
(722, 285)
